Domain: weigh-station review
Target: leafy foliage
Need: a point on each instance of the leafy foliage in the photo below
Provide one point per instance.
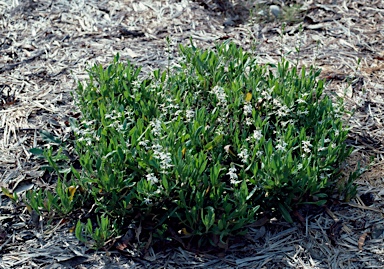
(202, 149)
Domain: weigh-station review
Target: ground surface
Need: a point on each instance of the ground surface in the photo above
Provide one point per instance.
(46, 46)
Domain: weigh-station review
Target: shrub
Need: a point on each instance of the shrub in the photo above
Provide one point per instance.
(203, 148)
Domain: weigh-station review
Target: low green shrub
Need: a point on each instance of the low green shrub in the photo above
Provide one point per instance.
(203, 148)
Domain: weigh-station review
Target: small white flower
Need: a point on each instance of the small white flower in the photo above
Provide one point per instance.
(306, 143)
(189, 114)
(233, 182)
(299, 166)
(156, 126)
(143, 143)
(305, 112)
(247, 109)
(257, 135)
(283, 111)
(165, 160)
(158, 191)
(306, 146)
(157, 147)
(244, 155)
(227, 148)
(220, 94)
(276, 102)
(147, 201)
(248, 121)
(232, 173)
(281, 146)
(233, 176)
(152, 178)
(301, 101)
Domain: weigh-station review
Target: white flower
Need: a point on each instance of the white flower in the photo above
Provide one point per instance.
(227, 148)
(306, 143)
(156, 147)
(276, 102)
(248, 121)
(283, 111)
(220, 94)
(266, 94)
(306, 146)
(232, 173)
(285, 123)
(305, 112)
(281, 146)
(257, 135)
(143, 143)
(299, 166)
(189, 114)
(233, 176)
(247, 109)
(301, 101)
(156, 126)
(244, 155)
(152, 178)
(165, 160)
(147, 201)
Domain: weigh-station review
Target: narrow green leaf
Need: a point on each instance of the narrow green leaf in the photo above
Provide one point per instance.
(285, 213)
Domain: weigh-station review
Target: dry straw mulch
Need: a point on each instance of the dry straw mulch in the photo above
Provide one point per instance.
(46, 46)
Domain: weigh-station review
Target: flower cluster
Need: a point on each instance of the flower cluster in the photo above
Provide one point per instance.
(220, 95)
(233, 176)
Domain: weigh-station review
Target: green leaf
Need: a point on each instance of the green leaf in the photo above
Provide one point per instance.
(209, 218)
(165, 183)
(50, 138)
(285, 213)
(37, 151)
(209, 146)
